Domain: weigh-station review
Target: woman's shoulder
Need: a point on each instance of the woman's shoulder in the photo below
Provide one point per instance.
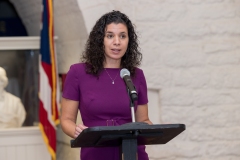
(77, 68)
(138, 71)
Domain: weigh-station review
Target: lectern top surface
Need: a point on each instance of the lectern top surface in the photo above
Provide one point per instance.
(113, 135)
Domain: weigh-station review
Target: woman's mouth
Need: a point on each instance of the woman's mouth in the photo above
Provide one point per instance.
(116, 51)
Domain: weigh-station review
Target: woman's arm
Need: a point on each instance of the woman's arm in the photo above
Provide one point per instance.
(142, 114)
(69, 116)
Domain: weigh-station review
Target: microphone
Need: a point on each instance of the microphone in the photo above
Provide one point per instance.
(125, 75)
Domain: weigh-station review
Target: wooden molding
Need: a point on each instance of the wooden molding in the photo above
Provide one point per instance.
(20, 43)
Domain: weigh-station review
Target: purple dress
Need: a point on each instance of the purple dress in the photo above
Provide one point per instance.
(102, 103)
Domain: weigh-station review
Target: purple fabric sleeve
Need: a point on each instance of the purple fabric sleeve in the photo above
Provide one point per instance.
(142, 93)
(71, 89)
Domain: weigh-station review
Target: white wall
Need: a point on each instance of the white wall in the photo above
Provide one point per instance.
(191, 59)
(25, 143)
(191, 52)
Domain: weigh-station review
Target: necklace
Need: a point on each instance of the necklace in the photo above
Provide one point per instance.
(111, 77)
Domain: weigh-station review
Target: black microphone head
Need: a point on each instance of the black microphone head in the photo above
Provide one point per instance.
(124, 72)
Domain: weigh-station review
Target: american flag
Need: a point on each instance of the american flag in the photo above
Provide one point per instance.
(48, 82)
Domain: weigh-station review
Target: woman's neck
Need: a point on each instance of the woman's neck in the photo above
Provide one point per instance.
(111, 64)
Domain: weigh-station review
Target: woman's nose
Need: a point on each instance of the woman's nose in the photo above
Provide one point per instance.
(116, 40)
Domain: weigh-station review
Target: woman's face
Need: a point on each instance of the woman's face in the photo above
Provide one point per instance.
(115, 41)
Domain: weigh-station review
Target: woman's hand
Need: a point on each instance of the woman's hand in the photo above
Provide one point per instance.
(79, 128)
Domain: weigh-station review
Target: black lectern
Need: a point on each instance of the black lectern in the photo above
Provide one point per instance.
(127, 137)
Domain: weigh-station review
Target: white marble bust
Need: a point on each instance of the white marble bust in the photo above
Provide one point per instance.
(12, 111)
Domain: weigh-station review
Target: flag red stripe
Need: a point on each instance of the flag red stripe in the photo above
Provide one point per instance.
(48, 128)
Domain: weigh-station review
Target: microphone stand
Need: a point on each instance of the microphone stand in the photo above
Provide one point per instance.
(132, 108)
(130, 143)
(132, 99)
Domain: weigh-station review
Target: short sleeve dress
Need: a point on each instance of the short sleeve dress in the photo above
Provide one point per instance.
(102, 103)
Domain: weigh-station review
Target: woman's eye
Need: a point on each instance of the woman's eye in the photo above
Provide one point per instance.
(109, 36)
(123, 36)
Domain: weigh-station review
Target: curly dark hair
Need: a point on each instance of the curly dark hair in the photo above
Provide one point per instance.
(93, 55)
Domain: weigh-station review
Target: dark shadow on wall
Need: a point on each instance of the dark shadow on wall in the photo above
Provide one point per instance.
(10, 22)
